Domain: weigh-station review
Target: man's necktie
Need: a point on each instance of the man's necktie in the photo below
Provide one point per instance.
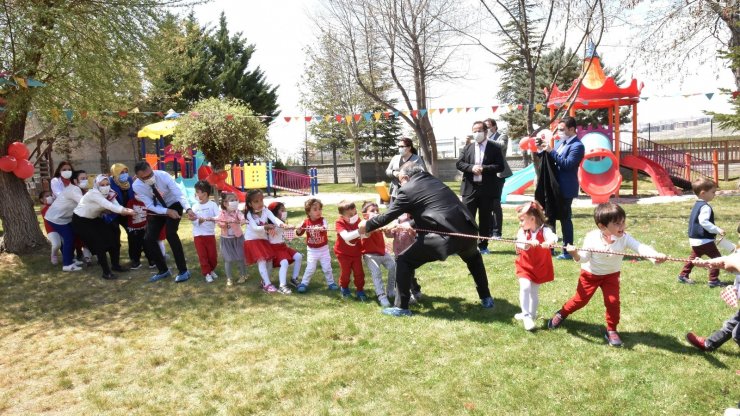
(158, 197)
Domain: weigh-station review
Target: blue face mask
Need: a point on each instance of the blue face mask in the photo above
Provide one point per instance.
(123, 177)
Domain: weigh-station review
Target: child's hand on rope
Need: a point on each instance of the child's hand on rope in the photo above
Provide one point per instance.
(570, 248)
(533, 243)
(660, 258)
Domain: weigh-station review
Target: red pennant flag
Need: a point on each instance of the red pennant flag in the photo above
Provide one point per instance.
(159, 113)
(519, 107)
(357, 117)
(441, 110)
(287, 119)
(467, 109)
(387, 114)
(339, 118)
(414, 113)
(308, 118)
(122, 114)
(494, 108)
(229, 117)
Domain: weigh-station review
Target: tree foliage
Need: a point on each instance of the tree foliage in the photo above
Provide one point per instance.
(224, 130)
(192, 62)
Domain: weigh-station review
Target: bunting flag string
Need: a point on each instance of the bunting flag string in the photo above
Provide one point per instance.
(375, 116)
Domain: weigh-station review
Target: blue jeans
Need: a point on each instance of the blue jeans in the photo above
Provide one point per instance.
(68, 241)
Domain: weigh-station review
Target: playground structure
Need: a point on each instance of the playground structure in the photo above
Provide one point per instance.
(237, 177)
(599, 174)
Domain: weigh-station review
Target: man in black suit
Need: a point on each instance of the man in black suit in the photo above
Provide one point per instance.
(433, 206)
(479, 162)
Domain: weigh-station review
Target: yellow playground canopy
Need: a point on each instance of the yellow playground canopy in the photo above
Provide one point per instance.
(156, 130)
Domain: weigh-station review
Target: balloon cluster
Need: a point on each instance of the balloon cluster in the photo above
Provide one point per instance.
(530, 143)
(16, 161)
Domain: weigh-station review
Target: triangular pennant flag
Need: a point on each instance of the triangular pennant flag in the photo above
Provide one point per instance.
(519, 107)
(449, 109)
(441, 110)
(68, 113)
(229, 117)
(475, 109)
(122, 113)
(339, 118)
(160, 114)
(538, 107)
(387, 114)
(348, 118)
(511, 107)
(414, 113)
(395, 114)
(287, 119)
(459, 109)
(55, 114)
(318, 118)
(296, 118)
(83, 114)
(308, 119)
(423, 112)
(368, 116)
(357, 117)
(377, 115)
(21, 82)
(494, 108)
(467, 109)
(432, 110)
(709, 95)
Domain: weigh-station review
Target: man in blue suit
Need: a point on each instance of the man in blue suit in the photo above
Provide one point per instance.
(567, 154)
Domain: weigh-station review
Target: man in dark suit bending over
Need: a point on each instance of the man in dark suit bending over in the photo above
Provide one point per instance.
(433, 206)
(480, 161)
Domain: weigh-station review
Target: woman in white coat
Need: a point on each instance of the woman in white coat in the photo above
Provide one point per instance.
(406, 153)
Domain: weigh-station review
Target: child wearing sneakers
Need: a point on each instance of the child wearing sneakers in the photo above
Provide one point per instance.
(204, 230)
(731, 327)
(257, 249)
(47, 198)
(284, 255)
(534, 262)
(317, 245)
(702, 231)
(601, 270)
(230, 220)
(373, 252)
(348, 250)
(137, 230)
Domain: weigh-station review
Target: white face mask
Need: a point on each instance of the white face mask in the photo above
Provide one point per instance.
(83, 184)
(233, 205)
(151, 181)
(49, 200)
(401, 151)
(283, 216)
(479, 136)
(562, 135)
(104, 189)
(353, 219)
(66, 174)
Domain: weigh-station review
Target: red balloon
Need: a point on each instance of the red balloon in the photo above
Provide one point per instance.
(528, 143)
(24, 170)
(213, 178)
(8, 163)
(18, 150)
(203, 172)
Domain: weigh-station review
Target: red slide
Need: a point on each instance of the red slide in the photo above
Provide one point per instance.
(205, 171)
(660, 177)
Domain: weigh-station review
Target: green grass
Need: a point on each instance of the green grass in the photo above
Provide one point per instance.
(75, 344)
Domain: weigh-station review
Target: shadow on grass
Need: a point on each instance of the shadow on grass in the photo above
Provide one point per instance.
(594, 333)
(459, 309)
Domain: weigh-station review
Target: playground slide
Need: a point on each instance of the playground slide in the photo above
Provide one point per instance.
(241, 196)
(518, 182)
(660, 177)
(186, 186)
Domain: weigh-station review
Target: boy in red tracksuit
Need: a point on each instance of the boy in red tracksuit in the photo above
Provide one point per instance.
(349, 250)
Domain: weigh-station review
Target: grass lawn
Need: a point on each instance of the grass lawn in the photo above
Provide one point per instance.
(75, 344)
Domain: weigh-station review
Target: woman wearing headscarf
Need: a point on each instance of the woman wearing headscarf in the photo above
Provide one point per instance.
(88, 223)
(120, 183)
(406, 153)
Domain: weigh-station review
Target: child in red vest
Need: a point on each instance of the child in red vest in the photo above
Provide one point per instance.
(317, 245)
(349, 250)
(374, 254)
(137, 229)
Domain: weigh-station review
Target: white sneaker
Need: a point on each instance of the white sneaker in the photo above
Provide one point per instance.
(384, 302)
(528, 322)
(229, 282)
(520, 316)
(72, 268)
(78, 263)
(209, 278)
(214, 275)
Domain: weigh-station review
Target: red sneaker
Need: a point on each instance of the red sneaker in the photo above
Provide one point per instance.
(697, 341)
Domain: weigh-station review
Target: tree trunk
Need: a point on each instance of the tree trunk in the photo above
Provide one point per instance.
(21, 226)
(430, 157)
(334, 157)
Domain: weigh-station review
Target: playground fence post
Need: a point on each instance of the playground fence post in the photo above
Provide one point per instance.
(269, 177)
(715, 165)
(314, 181)
(687, 161)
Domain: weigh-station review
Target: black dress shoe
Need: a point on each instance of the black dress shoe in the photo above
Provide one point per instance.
(119, 269)
(109, 276)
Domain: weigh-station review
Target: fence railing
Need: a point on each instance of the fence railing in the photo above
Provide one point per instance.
(675, 161)
(728, 152)
(291, 181)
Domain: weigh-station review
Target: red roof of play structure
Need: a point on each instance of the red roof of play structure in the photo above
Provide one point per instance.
(597, 90)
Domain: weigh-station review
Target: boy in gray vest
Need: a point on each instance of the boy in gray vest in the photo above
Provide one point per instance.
(702, 232)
